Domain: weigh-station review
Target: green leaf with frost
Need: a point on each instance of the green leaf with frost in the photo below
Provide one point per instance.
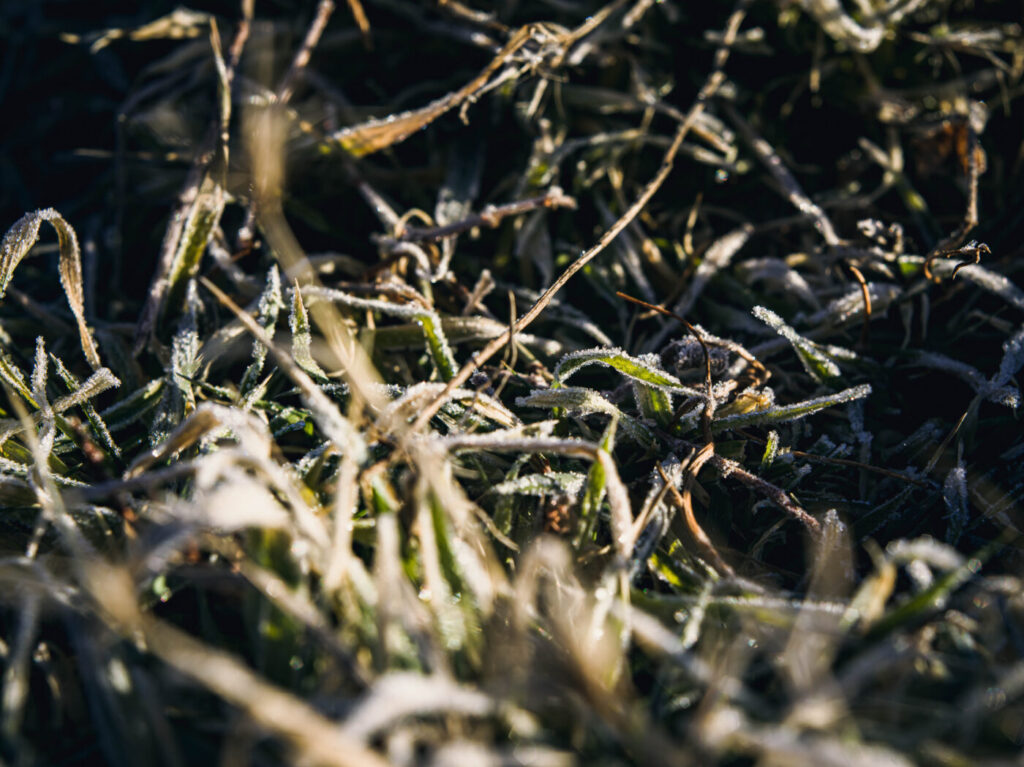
(597, 480)
(554, 482)
(654, 404)
(580, 401)
(790, 412)
(99, 427)
(11, 374)
(440, 351)
(203, 217)
(302, 339)
(179, 397)
(428, 320)
(771, 450)
(458, 330)
(134, 407)
(819, 365)
(644, 369)
(270, 305)
(94, 385)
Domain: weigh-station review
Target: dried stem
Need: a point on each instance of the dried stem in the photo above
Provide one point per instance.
(316, 29)
(490, 216)
(684, 502)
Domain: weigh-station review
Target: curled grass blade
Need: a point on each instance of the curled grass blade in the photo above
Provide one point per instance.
(19, 240)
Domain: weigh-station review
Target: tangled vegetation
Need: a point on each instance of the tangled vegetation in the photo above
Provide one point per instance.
(542, 382)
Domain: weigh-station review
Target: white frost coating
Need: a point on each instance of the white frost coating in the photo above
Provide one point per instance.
(298, 321)
(954, 493)
(235, 503)
(568, 482)
(855, 412)
(920, 574)
(983, 278)
(418, 395)
(775, 270)
(793, 412)
(644, 368)
(815, 362)
(851, 305)
(867, 35)
(39, 370)
(270, 305)
(96, 384)
(408, 311)
(579, 401)
(716, 258)
(997, 389)
(1013, 360)
(935, 554)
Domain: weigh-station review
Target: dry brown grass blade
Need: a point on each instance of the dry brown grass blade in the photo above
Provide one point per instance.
(359, 16)
(374, 135)
(19, 241)
(313, 34)
(866, 293)
(490, 216)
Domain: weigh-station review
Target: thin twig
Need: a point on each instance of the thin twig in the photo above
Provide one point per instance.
(729, 468)
(490, 216)
(866, 294)
(950, 245)
(316, 29)
(361, 20)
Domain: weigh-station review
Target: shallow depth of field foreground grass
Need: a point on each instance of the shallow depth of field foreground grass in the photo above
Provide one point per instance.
(521, 382)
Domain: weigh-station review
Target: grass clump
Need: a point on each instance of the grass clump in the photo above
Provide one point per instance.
(532, 383)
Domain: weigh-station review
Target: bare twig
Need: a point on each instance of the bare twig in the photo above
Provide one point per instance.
(777, 495)
(973, 249)
(866, 294)
(975, 167)
(684, 502)
(490, 216)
